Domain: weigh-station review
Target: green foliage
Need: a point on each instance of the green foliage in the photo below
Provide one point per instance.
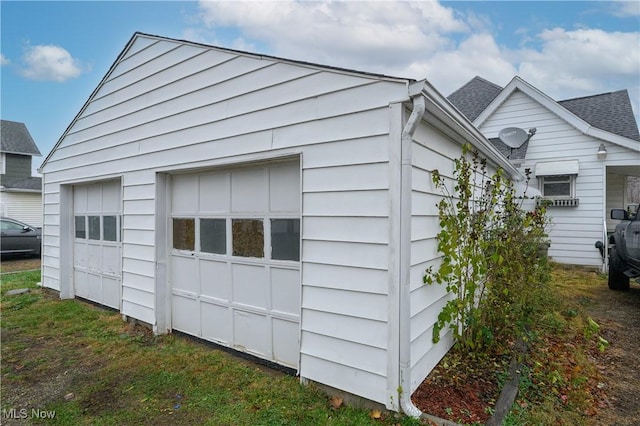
(493, 257)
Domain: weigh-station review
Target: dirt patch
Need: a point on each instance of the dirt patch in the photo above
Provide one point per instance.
(618, 314)
(17, 264)
(456, 393)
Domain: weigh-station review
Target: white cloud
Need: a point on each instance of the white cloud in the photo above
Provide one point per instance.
(50, 63)
(582, 62)
(3, 60)
(372, 36)
(625, 8)
(428, 40)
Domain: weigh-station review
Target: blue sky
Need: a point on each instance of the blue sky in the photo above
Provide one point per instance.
(54, 54)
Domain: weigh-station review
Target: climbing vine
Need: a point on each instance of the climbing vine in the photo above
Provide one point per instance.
(493, 263)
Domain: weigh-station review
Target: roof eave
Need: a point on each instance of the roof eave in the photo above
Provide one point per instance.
(519, 84)
(439, 106)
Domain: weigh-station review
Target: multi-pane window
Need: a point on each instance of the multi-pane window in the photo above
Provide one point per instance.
(247, 238)
(110, 228)
(97, 228)
(213, 236)
(184, 234)
(94, 227)
(81, 227)
(557, 186)
(285, 239)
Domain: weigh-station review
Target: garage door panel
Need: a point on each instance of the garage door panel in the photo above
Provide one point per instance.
(186, 315)
(111, 292)
(248, 191)
(80, 280)
(111, 197)
(285, 290)
(214, 193)
(216, 321)
(97, 251)
(111, 260)
(94, 287)
(234, 284)
(285, 341)
(215, 279)
(183, 276)
(184, 194)
(250, 285)
(284, 188)
(94, 198)
(94, 257)
(80, 255)
(80, 199)
(251, 332)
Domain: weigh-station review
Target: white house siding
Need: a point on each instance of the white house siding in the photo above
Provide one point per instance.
(574, 230)
(615, 197)
(167, 107)
(23, 206)
(430, 150)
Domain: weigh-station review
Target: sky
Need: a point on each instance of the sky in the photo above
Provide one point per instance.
(54, 53)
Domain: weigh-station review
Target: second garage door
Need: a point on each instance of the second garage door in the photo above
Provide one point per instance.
(235, 250)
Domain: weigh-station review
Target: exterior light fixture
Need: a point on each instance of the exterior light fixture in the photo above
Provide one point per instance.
(602, 152)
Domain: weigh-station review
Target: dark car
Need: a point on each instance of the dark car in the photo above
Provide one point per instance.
(19, 238)
(624, 254)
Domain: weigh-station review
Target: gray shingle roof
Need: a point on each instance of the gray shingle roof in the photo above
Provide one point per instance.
(515, 155)
(474, 97)
(611, 112)
(607, 111)
(30, 183)
(16, 139)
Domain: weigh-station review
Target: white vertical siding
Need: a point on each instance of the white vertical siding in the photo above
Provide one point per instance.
(168, 107)
(23, 206)
(573, 230)
(615, 197)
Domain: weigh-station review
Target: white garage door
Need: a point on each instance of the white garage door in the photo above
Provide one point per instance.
(97, 250)
(235, 251)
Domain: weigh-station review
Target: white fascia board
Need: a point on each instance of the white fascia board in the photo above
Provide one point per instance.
(442, 109)
(519, 84)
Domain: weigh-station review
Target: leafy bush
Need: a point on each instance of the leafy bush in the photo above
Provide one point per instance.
(493, 257)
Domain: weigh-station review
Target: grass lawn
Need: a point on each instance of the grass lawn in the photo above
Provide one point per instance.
(89, 367)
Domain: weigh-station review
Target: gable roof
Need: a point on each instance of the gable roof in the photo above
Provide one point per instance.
(474, 97)
(441, 107)
(606, 116)
(607, 111)
(29, 184)
(16, 139)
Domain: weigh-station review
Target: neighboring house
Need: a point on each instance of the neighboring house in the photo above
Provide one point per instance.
(583, 155)
(280, 208)
(20, 193)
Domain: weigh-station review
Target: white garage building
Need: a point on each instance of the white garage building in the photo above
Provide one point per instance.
(278, 208)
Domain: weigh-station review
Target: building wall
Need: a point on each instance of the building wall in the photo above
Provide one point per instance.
(574, 230)
(169, 106)
(16, 166)
(23, 206)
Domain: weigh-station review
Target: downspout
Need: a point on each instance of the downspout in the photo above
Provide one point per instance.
(404, 389)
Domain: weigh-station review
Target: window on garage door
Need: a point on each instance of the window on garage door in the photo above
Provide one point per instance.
(98, 227)
(247, 237)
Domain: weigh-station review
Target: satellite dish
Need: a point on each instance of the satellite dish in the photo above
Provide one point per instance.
(513, 137)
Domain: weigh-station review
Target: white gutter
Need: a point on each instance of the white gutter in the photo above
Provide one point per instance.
(415, 92)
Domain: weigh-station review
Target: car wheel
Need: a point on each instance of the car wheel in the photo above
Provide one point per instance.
(617, 279)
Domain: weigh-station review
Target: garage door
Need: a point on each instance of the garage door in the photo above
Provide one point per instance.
(97, 250)
(235, 249)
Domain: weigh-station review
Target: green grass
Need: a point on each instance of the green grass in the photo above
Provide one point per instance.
(90, 367)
